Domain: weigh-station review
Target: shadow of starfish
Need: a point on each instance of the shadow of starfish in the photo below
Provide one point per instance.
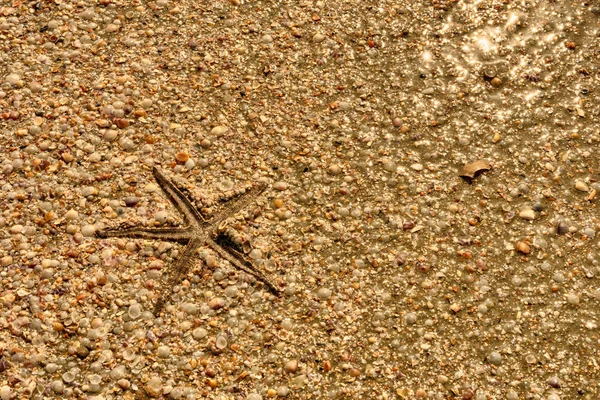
(198, 233)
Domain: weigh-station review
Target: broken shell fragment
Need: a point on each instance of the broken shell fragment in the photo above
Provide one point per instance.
(523, 247)
(474, 168)
(562, 228)
(527, 214)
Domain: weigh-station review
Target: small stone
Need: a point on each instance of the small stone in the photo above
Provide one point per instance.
(573, 299)
(219, 130)
(562, 228)
(280, 186)
(589, 232)
(146, 103)
(528, 214)
(71, 215)
(278, 203)
(161, 216)
(199, 333)
(110, 135)
(82, 351)
(15, 229)
(88, 230)
(154, 387)
(324, 293)
(122, 123)
(12, 79)
(495, 358)
(164, 351)
(216, 303)
(334, 169)
(151, 188)
(582, 186)
(410, 318)
(5, 393)
(190, 164)
(396, 121)
(266, 39)
(318, 38)
(496, 82)
(570, 45)
(131, 201)
(554, 382)
(67, 157)
(291, 366)
(489, 74)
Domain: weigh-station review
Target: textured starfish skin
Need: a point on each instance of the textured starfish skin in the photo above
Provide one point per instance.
(197, 233)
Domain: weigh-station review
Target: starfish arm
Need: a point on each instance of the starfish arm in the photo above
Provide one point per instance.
(242, 262)
(175, 274)
(167, 234)
(241, 202)
(178, 199)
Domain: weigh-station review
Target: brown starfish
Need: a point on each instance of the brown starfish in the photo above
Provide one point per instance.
(198, 232)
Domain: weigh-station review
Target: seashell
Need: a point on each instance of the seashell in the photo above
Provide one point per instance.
(523, 247)
(474, 168)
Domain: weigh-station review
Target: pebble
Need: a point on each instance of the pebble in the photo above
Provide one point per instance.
(5, 393)
(161, 216)
(71, 215)
(131, 201)
(280, 186)
(410, 318)
(318, 38)
(527, 214)
(496, 82)
(12, 79)
(199, 333)
(154, 387)
(324, 293)
(164, 351)
(216, 303)
(495, 358)
(219, 130)
(291, 366)
(573, 299)
(554, 382)
(582, 186)
(88, 230)
(283, 391)
(254, 396)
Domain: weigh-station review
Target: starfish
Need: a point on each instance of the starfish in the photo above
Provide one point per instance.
(197, 233)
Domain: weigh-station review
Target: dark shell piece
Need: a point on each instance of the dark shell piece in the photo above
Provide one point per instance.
(562, 228)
